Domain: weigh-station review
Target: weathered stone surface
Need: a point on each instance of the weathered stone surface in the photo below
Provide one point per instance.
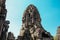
(4, 24)
(10, 36)
(58, 33)
(31, 27)
(4, 30)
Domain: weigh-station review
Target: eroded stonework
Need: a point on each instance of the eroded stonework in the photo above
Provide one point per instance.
(4, 24)
(58, 33)
(31, 26)
(10, 36)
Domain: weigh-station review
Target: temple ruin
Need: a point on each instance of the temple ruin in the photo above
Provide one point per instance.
(32, 28)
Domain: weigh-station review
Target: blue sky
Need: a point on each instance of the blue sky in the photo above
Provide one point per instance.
(49, 11)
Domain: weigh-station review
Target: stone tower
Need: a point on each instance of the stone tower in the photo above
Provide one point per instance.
(31, 26)
(3, 22)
